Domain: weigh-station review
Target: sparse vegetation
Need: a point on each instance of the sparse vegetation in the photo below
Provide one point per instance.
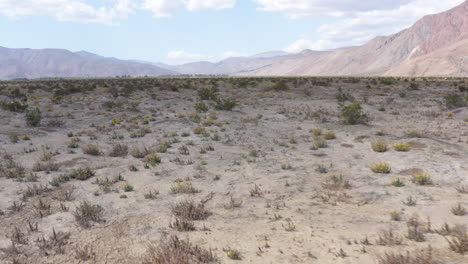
(353, 114)
(381, 167)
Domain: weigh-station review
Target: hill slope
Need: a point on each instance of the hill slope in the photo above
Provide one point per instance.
(417, 45)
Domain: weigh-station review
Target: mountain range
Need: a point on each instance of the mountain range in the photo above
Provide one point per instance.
(436, 45)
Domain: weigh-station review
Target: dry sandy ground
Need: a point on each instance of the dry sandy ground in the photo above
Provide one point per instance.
(287, 209)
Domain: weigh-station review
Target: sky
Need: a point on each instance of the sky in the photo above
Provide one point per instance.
(181, 31)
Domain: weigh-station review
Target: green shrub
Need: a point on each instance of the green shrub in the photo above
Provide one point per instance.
(381, 167)
(379, 145)
(352, 114)
(403, 147)
(454, 101)
(82, 174)
(208, 93)
(201, 107)
(226, 104)
(14, 106)
(281, 86)
(33, 117)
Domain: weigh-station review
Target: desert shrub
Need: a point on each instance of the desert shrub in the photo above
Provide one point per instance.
(280, 86)
(388, 237)
(57, 180)
(182, 225)
(140, 132)
(459, 241)
(413, 86)
(233, 254)
(225, 104)
(13, 137)
(201, 107)
(316, 131)
(190, 210)
(398, 182)
(253, 152)
(33, 117)
(128, 187)
(403, 147)
(14, 106)
(353, 114)
(379, 145)
(458, 210)
(119, 150)
(454, 101)
(82, 174)
(199, 130)
(329, 135)
(420, 257)
(55, 122)
(414, 134)
(381, 167)
(153, 159)
(320, 143)
(140, 152)
(47, 166)
(337, 182)
(208, 93)
(85, 213)
(91, 149)
(176, 251)
(422, 178)
(395, 215)
(184, 187)
(342, 96)
(73, 143)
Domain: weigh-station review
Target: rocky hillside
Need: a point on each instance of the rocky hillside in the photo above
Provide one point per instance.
(436, 41)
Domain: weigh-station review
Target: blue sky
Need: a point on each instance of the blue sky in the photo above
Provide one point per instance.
(179, 31)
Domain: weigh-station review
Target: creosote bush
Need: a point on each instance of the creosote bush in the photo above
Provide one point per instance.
(82, 174)
(33, 117)
(353, 114)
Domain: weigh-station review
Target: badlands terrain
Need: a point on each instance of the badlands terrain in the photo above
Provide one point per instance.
(234, 170)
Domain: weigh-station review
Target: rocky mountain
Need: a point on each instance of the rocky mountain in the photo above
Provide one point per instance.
(434, 45)
(38, 63)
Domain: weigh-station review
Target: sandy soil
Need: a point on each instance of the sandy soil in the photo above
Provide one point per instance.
(287, 208)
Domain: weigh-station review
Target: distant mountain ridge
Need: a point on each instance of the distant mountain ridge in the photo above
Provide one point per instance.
(39, 63)
(436, 45)
(230, 65)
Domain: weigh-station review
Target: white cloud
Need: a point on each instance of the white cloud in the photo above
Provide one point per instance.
(209, 4)
(67, 10)
(165, 8)
(359, 27)
(315, 8)
(114, 10)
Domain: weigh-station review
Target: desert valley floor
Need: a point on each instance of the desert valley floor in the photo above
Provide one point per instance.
(234, 170)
